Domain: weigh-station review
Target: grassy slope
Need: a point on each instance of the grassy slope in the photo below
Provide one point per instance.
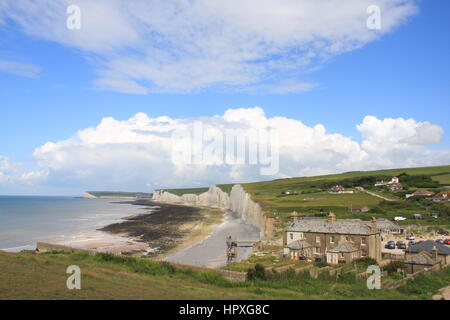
(42, 276)
(290, 184)
(440, 174)
(180, 192)
(119, 194)
(281, 207)
(311, 198)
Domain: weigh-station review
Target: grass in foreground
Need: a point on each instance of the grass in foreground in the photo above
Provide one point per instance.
(42, 276)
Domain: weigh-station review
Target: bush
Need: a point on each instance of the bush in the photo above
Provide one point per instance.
(258, 272)
(392, 267)
(366, 262)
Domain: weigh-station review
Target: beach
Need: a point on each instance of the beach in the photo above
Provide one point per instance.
(167, 229)
(141, 228)
(187, 234)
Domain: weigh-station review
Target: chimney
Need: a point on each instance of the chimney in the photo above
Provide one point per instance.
(435, 253)
(331, 217)
(373, 225)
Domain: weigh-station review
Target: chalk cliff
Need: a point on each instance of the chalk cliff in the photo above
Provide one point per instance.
(238, 201)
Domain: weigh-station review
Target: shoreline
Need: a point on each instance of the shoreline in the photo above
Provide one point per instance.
(166, 230)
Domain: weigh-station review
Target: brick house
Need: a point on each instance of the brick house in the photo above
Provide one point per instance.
(332, 240)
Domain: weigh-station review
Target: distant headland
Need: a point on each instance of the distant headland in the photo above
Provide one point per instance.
(116, 195)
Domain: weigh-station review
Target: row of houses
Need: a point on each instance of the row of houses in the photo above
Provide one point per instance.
(393, 185)
(440, 197)
(426, 255)
(338, 189)
(341, 241)
(336, 241)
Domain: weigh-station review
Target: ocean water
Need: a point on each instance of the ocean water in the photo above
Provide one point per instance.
(25, 220)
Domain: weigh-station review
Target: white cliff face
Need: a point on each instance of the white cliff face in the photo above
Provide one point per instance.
(238, 201)
(242, 203)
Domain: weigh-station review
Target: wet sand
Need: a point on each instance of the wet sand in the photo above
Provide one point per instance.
(168, 227)
(211, 252)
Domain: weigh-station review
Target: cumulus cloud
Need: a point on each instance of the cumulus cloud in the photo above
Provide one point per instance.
(137, 153)
(147, 46)
(12, 173)
(393, 142)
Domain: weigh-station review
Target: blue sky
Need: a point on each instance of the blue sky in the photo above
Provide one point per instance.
(401, 74)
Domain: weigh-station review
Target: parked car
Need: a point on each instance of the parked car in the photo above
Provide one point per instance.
(411, 243)
(441, 241)
(447, 241)
(442, 232)
(410, 237)
(390, 245)
(401, 245)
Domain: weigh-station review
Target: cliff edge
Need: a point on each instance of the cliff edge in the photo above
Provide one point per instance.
(237, 201)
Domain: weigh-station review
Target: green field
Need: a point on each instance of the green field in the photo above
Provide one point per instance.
(442, 179)
(309, 197)
(180, 192)
(100, 194)
(275, 187)
(43, 276)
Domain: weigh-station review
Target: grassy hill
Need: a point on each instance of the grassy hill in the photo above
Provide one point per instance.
(308, 195)
(118, 194)
(43, 276)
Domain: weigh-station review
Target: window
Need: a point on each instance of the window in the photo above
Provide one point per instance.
(317, 250)
(332, 239)
(363, 241)
(363, 253)
(317, 239)
(347, 238)
(292, 236)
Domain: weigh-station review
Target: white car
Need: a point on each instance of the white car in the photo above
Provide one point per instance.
(399, 218)
(410, 237)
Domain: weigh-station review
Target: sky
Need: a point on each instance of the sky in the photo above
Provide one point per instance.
(95, 108)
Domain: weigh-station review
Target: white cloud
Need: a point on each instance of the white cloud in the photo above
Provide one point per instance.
(402, 142)
(12, 174)
(147, 46)
(34, 175)
(6, 169)
(20, 69)
(136, 153)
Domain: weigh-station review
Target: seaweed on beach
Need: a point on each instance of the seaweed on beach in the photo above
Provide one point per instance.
(160, 228)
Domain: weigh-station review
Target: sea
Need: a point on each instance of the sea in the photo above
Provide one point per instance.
(26, 220)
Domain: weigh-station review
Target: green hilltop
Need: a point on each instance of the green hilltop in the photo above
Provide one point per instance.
(309, 196)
